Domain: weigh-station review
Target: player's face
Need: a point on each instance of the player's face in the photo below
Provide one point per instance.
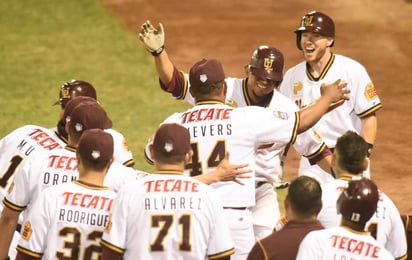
(261, 87)
(314, 46)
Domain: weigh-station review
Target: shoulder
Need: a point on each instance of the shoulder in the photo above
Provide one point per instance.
(349, 62)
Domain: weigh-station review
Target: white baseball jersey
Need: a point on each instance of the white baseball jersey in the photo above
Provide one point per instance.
(385, 226)
(167, 215)
(55, 168)
(300, 86)
(20, 144)
(122, 152)
(307, 143)
(341, 243)
(67, 222)
(216, 128)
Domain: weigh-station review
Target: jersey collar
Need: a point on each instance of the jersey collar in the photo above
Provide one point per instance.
(168, 172)
(324, 71)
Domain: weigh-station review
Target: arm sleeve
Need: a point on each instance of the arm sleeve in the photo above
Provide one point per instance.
(178, 86)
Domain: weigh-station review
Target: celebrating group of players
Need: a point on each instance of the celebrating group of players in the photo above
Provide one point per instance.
(72, 193)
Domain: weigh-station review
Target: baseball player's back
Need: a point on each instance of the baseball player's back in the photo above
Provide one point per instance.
(216, 128)
(167, 215)
(341, 243)
(67, 221)
(20, 144)
(385, 225)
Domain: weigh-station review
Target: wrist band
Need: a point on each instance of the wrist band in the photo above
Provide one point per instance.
(158, 51)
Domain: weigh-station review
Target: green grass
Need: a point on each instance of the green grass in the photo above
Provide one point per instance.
(46, 43)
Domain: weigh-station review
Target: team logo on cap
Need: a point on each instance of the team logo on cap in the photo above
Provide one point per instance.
(168, 147)
(268, 64)
(78, 127)
(308, 20)
(95, 154)
(203, 78)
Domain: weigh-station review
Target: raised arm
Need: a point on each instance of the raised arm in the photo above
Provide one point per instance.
(171, 79)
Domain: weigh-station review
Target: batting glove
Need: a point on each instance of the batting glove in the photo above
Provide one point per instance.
(152, 38)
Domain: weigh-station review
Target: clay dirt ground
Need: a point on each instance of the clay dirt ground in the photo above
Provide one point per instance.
(377, 33)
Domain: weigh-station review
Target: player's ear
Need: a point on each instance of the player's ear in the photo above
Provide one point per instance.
(330, 41)
(151, 150)
(247, 70)
(365, 164)
(188, 156)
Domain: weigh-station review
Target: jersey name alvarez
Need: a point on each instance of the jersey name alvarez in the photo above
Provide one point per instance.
(158, 195)
(208, 115)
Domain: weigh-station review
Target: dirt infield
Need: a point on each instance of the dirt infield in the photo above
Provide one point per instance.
(377, 33)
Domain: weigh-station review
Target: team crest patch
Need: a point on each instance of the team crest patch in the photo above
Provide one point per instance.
(27, 231)
(281, 115)
(370, 92)
(298, 86)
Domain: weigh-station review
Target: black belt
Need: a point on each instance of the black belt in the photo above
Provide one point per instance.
(236, 208)
(260, 183)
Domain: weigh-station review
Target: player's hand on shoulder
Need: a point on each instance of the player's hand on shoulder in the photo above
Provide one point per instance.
(336, 91)
(153, 38)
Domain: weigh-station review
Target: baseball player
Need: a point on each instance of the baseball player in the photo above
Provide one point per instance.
(75, 88)
(67, 221)
(302, 203)
(216, 128)
(54, 168)
(264, 74)
(315, 37)
(349, 161)
(167, 215)
(15, 147)
(357, 203)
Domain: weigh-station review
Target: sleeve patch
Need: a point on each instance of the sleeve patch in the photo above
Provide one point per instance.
(27, 231)
(370, 92)
(281, 115)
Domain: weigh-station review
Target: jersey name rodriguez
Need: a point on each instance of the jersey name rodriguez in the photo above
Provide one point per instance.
(85, 208)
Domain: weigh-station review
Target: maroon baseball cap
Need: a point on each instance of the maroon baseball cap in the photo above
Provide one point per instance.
(95, 145)
(75, 88)
(172, 139)
(205, 73)
(74, 103)
(88, 116)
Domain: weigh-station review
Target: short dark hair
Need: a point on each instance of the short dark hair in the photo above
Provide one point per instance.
(305, 196)
(212, 89)
(95, 165)
(352, 150)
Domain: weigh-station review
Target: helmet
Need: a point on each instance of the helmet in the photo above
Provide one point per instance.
(267, 63)
(359, 200)
(73, 89)
(316, 22)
